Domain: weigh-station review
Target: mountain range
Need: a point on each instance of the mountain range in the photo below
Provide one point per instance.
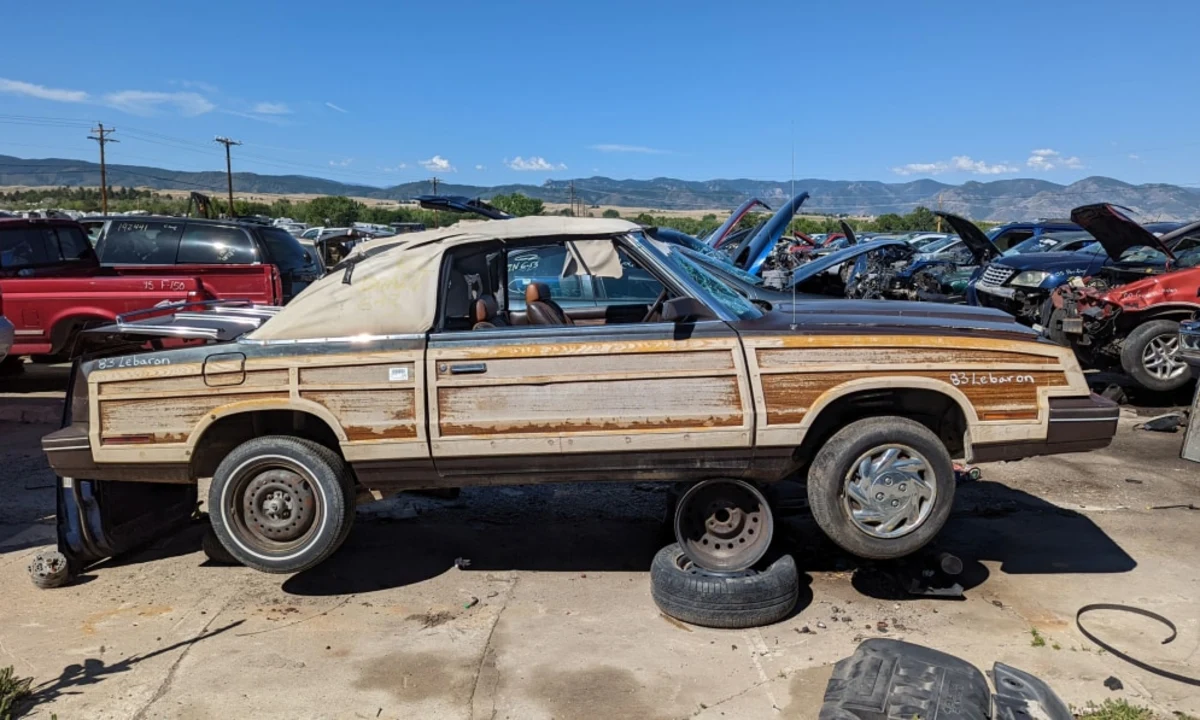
(998, 200)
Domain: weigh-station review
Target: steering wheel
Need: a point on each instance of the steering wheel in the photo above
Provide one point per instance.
(657, 306)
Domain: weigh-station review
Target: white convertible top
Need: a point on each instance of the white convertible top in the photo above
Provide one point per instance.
(395, 291)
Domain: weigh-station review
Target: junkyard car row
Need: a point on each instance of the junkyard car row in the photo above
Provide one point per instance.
(550, 349)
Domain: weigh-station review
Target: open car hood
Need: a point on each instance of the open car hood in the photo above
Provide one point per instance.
(463, 204)
(755, 250)
(848, 232)
(982, 249)
(717, 237)
(833, 259)
(1116, 232)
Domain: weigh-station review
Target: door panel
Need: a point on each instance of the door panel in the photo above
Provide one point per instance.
(577, 391)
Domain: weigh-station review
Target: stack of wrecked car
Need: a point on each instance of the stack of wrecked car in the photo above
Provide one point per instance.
(1127, 316)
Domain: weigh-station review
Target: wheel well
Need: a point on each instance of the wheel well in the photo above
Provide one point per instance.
(936, 411)
(64, 330)
(227, 433)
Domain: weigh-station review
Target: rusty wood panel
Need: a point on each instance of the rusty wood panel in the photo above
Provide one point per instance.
(357, 374)
(781, 358)
(1012, 395)
(371, 414)
(678, 403)
(195, 383)
(166, 420)
(549, 349)
(915, 340)
(590, 365)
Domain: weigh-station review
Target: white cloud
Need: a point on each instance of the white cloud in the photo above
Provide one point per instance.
(17, 87)
(618, 148)
(395, 168)
(437, 163)
(958, 163)
(197, 85)
(331, 106)
(1046, 159)
(271, 108)
(480, 167)
(341, 163)
(1134, 156)
(146, 102)
(533, 163)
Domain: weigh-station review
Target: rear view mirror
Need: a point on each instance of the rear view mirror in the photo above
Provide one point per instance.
(683, 309)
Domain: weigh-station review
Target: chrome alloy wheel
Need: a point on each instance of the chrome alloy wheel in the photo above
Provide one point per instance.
(1161, 357)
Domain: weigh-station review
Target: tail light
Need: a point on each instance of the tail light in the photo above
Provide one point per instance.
(77, 398)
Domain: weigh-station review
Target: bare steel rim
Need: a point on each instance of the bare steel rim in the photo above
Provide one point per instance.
(723, 525)
(889, 491)
(273, 506)
(1160, 357)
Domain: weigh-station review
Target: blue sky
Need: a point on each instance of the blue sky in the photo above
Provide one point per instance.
(487, 93)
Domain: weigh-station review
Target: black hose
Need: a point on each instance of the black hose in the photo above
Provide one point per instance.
(1117, 653)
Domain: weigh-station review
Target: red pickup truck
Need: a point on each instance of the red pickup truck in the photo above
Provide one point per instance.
(53, 285)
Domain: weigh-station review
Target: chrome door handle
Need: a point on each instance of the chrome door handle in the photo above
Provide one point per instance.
(468, 368)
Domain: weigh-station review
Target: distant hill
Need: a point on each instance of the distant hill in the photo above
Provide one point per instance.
(1021, 198)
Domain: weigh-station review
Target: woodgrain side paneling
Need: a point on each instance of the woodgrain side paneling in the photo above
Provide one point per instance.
(195, 383)
(995, 396)
(371, 414)
(166, 420)
(357, 375)
(619, 405)
(891, 356)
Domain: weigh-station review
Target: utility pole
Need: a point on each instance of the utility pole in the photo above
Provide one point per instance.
(435, 182)
(572, 188)
(228, 168)
(939, 220)
(101, 137)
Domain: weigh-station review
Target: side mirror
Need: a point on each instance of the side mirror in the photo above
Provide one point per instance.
(683, 309)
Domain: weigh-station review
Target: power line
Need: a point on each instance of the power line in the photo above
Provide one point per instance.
(228, 168)
(102, 138)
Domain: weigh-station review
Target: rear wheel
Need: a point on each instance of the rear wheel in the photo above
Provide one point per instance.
(1150, 355)
(882, 487)
(281, 504)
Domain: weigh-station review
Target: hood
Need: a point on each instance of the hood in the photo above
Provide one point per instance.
(917, 317)
(981, 248)
(755, 250)
(1070, 263)
(462, 204)
(718, 237)
(1116, 232)
(833, 259)
(848, 232)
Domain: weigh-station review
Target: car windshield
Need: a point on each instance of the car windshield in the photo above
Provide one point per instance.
(1143, 254)
(938, 245)
(717, 291)
(709, 260)
(1045, 242)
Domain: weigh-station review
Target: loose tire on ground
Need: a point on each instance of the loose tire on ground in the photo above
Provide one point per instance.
(1133, 355)
(281, 504)
(832, 505)
(738, 600)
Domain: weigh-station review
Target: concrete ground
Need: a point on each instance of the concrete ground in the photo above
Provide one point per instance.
(553, 617)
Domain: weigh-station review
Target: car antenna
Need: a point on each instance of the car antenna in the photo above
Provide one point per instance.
(792, 271)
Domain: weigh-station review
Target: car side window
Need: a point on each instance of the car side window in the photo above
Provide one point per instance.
(27, 247)
(1009, 238)
(139, 242)
(216, 245)
(542, 264)
(635, 286)
(73, 244)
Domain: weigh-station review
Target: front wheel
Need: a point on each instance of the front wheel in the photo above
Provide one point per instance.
(882, 487)
(1150, 355)
(281, 504)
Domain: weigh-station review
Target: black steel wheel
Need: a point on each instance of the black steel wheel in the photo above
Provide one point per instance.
(723, 525)
(747, 598)
(281, 504)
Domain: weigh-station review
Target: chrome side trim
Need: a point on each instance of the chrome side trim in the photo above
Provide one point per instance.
(352, 339)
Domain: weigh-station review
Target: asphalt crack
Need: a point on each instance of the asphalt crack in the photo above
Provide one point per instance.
(169, 680)
(487, 650)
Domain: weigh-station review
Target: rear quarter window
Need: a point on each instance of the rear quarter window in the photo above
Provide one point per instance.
(131, 242)
(216, 245)
(286, 252)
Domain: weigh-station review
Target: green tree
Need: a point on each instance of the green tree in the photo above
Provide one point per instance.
(889, 222)
(335, 211)
(611, 213)
(518, 204)
(921, 218)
